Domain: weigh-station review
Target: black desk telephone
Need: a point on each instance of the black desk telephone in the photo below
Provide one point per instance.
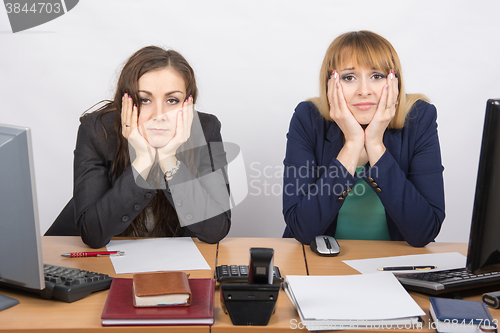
(239, 274)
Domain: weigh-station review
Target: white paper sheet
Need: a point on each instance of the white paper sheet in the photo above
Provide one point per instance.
(156, 254)
(352, 297)
(442, 261)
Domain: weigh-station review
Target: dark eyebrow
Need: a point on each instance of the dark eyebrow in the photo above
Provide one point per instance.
(167, 94)
(174, 92)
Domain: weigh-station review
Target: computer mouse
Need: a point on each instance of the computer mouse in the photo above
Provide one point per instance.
(325, 246)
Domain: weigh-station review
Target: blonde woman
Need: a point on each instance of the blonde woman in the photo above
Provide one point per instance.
(363, 159)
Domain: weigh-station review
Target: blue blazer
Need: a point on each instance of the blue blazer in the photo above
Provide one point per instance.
(408, 178)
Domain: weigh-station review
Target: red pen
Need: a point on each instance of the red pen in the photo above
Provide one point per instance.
(93, 254)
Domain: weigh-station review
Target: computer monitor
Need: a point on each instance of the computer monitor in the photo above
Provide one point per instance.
(20, 247)
(484, 241)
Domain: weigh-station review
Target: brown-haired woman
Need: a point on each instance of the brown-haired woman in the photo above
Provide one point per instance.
(142, 164)
(363, 159)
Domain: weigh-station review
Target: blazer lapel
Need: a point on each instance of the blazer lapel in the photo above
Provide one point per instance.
(334, 140)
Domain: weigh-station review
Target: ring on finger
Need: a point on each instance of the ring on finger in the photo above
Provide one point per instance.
(390, 106)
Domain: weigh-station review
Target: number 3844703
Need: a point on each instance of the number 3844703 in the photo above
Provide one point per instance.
(33, 8)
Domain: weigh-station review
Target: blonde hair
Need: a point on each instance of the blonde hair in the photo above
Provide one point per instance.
(364, 49)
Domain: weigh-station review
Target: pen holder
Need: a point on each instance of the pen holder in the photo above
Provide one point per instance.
(249, 304)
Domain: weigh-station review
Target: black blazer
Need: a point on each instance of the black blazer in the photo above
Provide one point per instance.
(104, 207)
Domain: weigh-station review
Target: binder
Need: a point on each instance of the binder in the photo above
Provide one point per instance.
(119, 308)
(457, 315)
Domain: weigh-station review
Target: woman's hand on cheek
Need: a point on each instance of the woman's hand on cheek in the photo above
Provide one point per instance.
(340, 113)
(386, 110)
(126, 115)
(184, 121)
(144, 153)
(352, 130)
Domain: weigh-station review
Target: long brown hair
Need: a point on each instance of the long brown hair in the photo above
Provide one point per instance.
(147, 59)
(365, 49)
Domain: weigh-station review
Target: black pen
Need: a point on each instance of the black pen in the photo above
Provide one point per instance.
(407, 268)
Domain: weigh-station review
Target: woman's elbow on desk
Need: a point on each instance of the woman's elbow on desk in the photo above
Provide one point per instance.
(419, 239)
(303, 235)
(214, 239)
(91, 240)
(303, 224)
(94, 243)
(419, 243)
(213, 230)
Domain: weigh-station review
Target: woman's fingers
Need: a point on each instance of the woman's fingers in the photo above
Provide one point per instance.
(336, 95)
(384, 99)
(342, 104)
(133, 118)
(386, 104)
(188, 121)
(391, 100)
(395, 88)
(179, 122)
(182, 124)
(385, 111)
(130, 130)
(123, 113)
(338, 105)
(184, 120)
(331, 91)
(392, 91)
(340, 112)
(126, 115)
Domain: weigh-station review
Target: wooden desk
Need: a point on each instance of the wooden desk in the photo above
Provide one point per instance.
(35, 314)
(54, 246)
(288, 256)
(356, 249)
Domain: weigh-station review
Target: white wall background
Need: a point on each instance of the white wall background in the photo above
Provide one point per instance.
(254, 61)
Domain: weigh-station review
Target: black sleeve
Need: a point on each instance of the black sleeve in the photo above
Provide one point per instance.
(102, 210)
(202, 202)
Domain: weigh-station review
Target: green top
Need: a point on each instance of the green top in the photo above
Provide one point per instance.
(362, 216)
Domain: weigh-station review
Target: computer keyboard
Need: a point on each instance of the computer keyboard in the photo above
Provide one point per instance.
(67, 284)
(71, 284)
(447, 281)
(239, 274)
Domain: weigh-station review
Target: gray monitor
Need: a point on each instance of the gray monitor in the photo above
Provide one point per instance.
(20, 247)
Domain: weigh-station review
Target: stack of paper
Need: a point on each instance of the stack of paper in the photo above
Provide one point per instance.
(352, 302)
(156, 254)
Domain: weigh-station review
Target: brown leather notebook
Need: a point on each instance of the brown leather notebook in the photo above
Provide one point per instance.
(161, 289)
